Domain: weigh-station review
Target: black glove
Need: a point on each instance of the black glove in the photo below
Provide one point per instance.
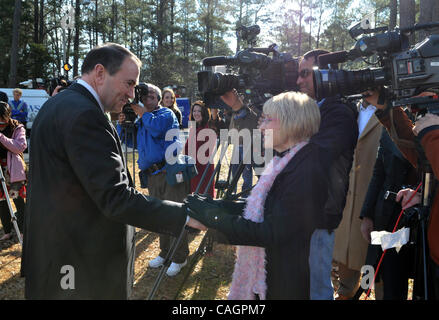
(231, 207)
(207, 212)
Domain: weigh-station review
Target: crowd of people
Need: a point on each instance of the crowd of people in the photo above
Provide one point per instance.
(303, 227)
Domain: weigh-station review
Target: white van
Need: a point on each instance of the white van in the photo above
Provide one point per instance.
(34, 98)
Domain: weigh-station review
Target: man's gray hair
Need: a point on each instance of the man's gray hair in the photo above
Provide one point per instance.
(156, 89)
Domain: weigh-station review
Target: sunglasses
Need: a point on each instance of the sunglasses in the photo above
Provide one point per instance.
(305, 73)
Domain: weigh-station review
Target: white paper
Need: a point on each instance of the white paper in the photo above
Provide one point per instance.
(389, 240)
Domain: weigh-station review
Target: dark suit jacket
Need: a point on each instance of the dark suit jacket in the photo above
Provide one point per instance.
(81, 204)
(291, 212)
(338, 135)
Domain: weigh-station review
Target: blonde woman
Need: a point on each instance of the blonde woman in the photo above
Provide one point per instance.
(274, 228)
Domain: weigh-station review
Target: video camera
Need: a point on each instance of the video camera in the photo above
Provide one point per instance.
(140, 90)
(258, 78)
(60, 81)
(405, 71)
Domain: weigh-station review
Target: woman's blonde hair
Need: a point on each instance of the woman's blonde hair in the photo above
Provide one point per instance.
(174, 99)
(298, 114)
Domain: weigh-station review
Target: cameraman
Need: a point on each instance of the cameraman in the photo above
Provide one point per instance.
(242, 117)
(426, 130)
(338, 137)
(154, 123)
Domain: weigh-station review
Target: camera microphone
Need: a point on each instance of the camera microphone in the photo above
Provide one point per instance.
(217, 61)
(332, 58)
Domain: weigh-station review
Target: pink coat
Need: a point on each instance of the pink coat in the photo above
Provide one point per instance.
(16, 145)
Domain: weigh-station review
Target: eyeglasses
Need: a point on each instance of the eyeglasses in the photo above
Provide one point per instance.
(305, 73)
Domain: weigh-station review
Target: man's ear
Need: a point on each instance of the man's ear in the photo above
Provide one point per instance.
(100, 73)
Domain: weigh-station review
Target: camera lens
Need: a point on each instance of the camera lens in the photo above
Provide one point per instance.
(328, 83)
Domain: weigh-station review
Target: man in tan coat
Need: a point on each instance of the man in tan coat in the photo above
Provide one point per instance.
(350, 248)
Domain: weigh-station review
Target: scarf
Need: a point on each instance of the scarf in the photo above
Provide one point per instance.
(249, 274)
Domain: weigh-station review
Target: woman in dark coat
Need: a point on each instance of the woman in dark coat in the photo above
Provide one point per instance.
(280, 215)
(391, 172)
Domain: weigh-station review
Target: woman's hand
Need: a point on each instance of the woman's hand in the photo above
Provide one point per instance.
(405, 195)
(366, 228)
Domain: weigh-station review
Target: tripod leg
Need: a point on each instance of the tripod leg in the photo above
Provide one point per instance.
(201, 251)
(168, 259)
(11, 211)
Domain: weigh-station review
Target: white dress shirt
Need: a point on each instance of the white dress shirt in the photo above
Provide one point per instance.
(92, 91)
(364, 116)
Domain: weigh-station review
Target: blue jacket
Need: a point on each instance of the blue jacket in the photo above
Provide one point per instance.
(19, 110)
(151, 133)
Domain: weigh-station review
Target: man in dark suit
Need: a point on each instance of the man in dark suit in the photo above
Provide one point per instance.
(79, 237)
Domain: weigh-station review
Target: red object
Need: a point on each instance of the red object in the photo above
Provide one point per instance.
(201, 167)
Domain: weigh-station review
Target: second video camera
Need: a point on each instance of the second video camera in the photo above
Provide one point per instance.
(259, 75)
(405, 71)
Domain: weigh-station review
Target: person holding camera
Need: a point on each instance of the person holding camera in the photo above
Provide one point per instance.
(242, 118)
(154, 123)
(337, 135)
(273, 227)
(12, 145)
(82, 206)
(404, 132)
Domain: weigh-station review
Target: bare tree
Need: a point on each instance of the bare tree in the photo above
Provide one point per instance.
(393, 4)
(407, 12)
(426, 9)
(14, 46)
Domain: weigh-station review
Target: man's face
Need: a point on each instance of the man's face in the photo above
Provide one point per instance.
(150, 101)
(305, 79)
(116, 89)
(17, 96)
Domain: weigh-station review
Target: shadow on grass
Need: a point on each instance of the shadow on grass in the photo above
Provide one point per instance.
(211, 273)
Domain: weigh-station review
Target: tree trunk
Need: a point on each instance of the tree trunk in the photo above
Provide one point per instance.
(36, 20)
(320, 24)
(426, 8)
(172, 25)
(14, 46)
(407, 11)
(299, 45)
(76, 41)
(41, 18)
(96, 23)
(393, 13)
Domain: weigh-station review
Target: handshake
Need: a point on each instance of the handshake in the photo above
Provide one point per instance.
(205, 212)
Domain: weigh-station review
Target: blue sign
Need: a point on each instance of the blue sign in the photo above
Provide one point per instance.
(184, 105)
